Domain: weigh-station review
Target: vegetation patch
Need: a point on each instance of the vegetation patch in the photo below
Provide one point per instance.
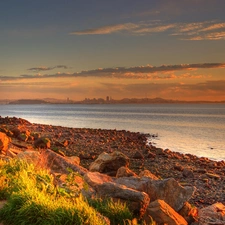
(32, 198)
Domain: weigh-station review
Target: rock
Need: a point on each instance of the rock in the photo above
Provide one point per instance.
(29, 156)
(12, 152)
(151, 155)
(147, 173)
(109, 163)
(138, 155)
(15, 131)
(22, 137)
(42, 143)
(213, 214)
(58, 163)
(86, 156)
(95, 178)
(4, 142)
(168, 190)
(65, 143)
(190, 213)
(188, 173)
(35, 135)
(73, 159)
(162, 213)
(125, 172)
(178, 167)
(212, 175)
(105, 186)
(58, 144)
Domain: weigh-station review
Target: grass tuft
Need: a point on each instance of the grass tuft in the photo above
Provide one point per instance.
(32, 198)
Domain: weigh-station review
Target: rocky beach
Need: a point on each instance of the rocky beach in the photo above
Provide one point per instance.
(207, 176)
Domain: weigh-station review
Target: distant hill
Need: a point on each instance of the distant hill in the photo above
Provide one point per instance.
(101, 101)
(28, 101)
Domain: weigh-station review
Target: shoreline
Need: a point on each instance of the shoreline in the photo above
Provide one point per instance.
(208, 176)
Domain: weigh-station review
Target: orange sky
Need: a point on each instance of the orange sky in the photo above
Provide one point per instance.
(202, 83)
(123, 49)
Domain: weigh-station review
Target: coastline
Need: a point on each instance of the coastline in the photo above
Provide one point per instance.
(206, 175)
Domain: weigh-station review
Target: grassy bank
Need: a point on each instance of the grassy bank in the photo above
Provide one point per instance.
(33, 198)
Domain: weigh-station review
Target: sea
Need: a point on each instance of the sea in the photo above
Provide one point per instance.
(198, 129)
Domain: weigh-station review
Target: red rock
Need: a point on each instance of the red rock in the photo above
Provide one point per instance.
(4, 141)
(147, 173)
(109, 163)
(125, 172)
(162, 213)
(214, 214)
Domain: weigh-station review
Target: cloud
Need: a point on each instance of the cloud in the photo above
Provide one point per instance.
(156, 29)
(208, 30)
(215, 26)
(205, 30)
(209, 36)
(138, 72)
(43, 68)
(107, 29)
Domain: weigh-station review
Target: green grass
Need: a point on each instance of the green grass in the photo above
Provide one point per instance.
(32, 198)
(117, 212)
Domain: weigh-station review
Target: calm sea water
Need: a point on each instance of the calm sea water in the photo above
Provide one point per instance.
(198, 129)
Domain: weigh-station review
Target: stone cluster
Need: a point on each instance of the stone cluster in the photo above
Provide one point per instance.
(170, 187)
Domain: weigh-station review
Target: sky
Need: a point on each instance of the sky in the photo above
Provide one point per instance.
(76, 49)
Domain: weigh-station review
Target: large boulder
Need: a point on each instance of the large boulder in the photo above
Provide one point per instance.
(109, 163)
(73, 159)
(29, 156)
(168, 190)
(105, 186)
(162, 213)
(4, 142)
(59, 164)
(213, 214)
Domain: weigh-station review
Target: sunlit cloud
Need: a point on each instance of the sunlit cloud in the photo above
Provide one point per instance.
(107, 29)
(205, 30)
(209, 36)
(155, 29)
(215, 26)
(43, 68)
(138, 72)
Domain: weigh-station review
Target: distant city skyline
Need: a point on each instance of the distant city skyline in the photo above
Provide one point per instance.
(126, 49)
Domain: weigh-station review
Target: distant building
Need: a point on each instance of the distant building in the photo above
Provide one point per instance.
(107, 98)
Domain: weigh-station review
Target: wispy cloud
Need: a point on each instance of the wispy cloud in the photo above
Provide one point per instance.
(43, 68)
(215, 26)
(208, 30)
(154, 29)
(209, 36)
(138, 72)
(205, 30)
(108, 29)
